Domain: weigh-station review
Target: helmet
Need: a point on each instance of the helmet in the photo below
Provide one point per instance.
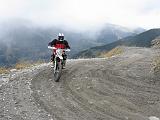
(60, 36)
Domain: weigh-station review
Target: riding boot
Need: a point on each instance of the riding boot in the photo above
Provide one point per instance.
(64, 64)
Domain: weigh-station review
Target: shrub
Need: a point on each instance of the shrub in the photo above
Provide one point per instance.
(113, 52)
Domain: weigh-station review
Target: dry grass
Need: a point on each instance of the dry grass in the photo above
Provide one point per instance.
(25, 64)
(113, 52)
(4, 70)
(22, 65)
(156, 64)
(19, 66)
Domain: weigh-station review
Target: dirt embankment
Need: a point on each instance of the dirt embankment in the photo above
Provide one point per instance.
(124, 87)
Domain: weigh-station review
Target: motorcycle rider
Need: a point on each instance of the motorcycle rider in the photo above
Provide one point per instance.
(59, 43)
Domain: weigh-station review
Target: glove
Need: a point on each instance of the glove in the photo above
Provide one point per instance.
(68, 50)
(49, 47)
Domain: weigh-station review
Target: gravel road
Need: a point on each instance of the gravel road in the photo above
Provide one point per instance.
(123, 87)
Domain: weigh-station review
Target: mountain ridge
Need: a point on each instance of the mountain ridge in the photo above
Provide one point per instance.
(141, 40)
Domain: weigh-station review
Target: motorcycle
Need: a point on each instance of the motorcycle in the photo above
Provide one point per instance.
(58, 62)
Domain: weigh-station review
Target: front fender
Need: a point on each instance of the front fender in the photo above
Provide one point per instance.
(61, 57)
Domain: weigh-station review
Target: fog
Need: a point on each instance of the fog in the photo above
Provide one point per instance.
(26, 26)
(83, 14)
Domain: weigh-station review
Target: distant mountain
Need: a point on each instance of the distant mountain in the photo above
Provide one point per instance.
(23, 43)
(138, 30)
(110, 33)
(22, 40)
(141, 40)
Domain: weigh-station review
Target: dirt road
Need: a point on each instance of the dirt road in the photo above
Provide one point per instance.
(119, 88)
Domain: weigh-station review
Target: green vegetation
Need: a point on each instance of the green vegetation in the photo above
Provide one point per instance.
(113, 52)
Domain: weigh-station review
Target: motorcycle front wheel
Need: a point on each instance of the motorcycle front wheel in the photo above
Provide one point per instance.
(57, 71)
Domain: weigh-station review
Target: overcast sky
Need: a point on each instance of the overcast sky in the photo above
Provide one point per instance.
(84, 13)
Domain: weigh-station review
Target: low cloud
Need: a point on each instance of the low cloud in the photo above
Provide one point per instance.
(84, 14)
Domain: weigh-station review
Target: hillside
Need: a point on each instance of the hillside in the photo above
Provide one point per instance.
(141, 40)
(156, 42)
(124, 87)
(22, 40)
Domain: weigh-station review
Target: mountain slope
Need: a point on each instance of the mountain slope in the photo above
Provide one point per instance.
(156, 42)
(111, 33)
(141, 40)
(22, 40)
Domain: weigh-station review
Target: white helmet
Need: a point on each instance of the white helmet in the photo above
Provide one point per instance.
(60, 36)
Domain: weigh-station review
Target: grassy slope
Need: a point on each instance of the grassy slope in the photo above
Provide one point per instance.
(113, 52)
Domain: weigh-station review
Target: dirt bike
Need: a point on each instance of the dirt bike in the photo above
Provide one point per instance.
(58, 63)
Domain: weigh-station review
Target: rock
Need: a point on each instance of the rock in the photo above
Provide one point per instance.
(13, 70)
(90, 102)
(156, 42)
(78, 88)
(88, 87)
(153, 118)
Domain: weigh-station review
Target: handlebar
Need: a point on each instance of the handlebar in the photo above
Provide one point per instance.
(68, 50)
(53, 48)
